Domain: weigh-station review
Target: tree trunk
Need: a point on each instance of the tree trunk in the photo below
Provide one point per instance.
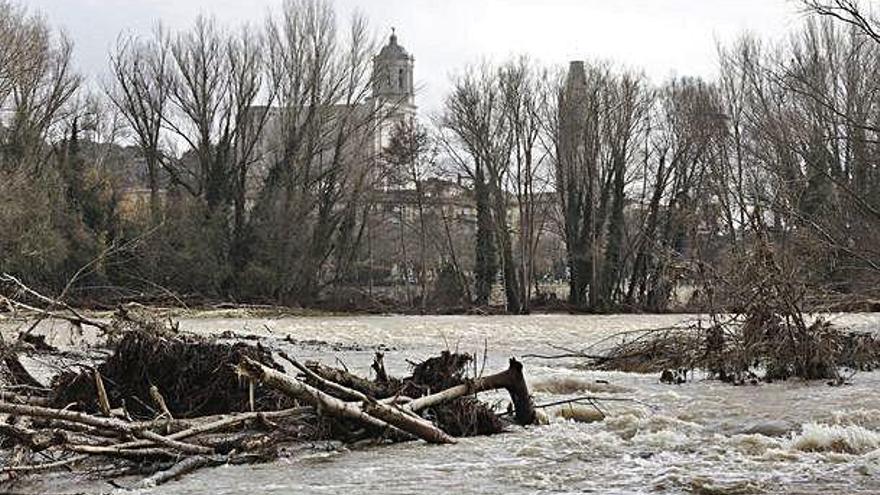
(512, 380)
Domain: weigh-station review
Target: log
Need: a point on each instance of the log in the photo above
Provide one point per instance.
(371, 412)
(159, 401)
(512, 380)
(346, 393)
(301, 391)
(118, 451)
(46, 466)
(379, 367)
(216, 423)
(354, 382)
(34, 440)
(234, 420)
(343, 392)
(23, 399)
(183, 467)
(408, 422)
(181, 424)
(99, 422)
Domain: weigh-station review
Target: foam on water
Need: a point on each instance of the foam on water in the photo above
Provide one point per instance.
(850, 439)
(569, 384)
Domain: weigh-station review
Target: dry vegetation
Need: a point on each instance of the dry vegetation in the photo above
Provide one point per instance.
(765, 336)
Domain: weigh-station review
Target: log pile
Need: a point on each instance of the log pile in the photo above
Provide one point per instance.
(166, 404)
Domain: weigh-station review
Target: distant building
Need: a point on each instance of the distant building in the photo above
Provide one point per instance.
(367, 126)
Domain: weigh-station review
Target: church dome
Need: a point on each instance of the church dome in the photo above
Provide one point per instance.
(392, 49)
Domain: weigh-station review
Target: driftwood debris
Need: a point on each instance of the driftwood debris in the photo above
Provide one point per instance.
(167, 404)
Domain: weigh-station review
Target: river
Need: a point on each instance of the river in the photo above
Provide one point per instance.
(702, 437)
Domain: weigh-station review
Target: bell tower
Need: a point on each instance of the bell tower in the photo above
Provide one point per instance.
(393, 80)
(393, 100)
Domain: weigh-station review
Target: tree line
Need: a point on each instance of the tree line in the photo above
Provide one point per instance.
(249, 147)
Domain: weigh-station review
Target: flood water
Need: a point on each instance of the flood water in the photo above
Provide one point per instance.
(703, 437)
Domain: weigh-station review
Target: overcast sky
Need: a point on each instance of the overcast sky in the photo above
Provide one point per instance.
(662, 37)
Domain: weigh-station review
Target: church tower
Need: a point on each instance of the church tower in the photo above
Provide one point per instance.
(393, 99)
(393, 76)
(393, 90)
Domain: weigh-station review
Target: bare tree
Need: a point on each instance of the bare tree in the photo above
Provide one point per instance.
(319, 167)
(411, 156)
(479, 140)
(847, 11)
(140, 90)
(524, 98)
(680, 203)
(36, 81)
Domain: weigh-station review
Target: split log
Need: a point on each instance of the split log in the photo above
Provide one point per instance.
(512, 380)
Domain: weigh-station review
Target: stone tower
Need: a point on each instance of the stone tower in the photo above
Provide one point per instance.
(573, 108)
(393, 90)
(393, 76)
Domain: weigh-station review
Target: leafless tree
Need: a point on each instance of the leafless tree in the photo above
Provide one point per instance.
(140, 90)
(36, 81)
(479, 140)
(313, 201)
(847, 11)
(524, 97)
(411, 156)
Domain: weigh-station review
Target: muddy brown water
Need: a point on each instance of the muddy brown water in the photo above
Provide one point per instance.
(702, 437)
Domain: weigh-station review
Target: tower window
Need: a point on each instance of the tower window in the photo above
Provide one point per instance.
(401, 75)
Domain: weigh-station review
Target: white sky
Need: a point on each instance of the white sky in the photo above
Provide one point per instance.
(662, 37)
